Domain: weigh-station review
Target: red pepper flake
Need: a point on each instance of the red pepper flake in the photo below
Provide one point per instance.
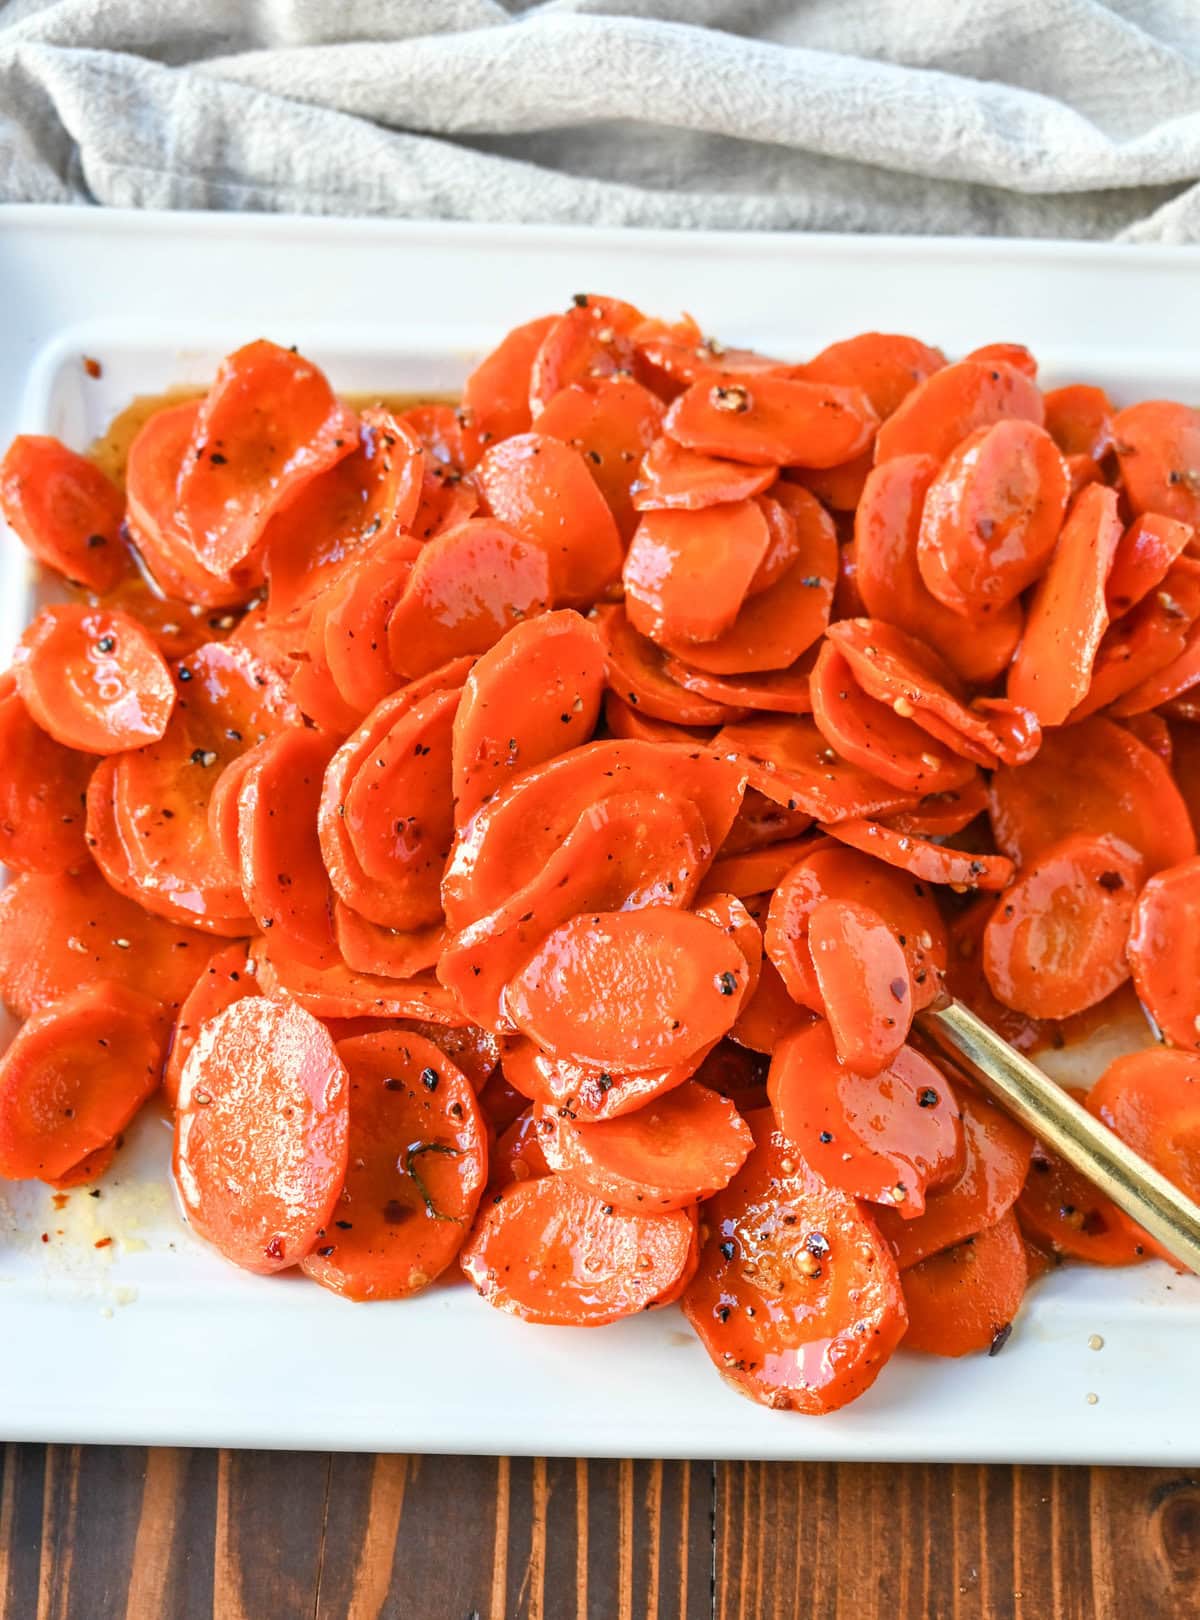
(102, 1243)
(93, 367)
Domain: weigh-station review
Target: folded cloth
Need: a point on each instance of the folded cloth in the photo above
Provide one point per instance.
(1016, 117)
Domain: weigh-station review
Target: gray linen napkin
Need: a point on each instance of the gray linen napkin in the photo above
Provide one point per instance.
(1017, 117)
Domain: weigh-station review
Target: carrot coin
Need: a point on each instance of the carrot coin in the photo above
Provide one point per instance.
(1013, 354)
(756, 871)
(1079, 418)
(887, 366)
(74, 1076)
(796, 1300)
(924, 859)
(965, 1298)
(613, 421)
(588, 1092)
(863, 980)
(223, 980)
(622, 720)
(1158, 447)
(773, 421)
(93, 679)
(769, 1014)
(495, 396)
(340, 992)
(261, 1132)
(886, 1138)
(593, 339)
(789, 760)
(64, 511)
(637, 673)
(941, 815)
(673, 1152)
(687, 573)
(1164, 943)
(1151, 1099)
(43, 793)
(417, 1163)
(675, 479)
(1143, 557)
(549, 1252)
(778, 691)
(941, 411)
(353, 624)
(517, 1155)
(283, 876)
(1062, 1210)
(392, 953)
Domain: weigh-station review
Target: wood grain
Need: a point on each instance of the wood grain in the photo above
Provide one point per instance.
(112, 1533)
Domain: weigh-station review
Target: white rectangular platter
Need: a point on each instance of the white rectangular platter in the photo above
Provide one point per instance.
(151, 1339)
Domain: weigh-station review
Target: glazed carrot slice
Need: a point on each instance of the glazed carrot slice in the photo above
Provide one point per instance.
(495, 396)
(941, 411)
(863, 980)
(886, 1138)
(778, 691)
(755, 871)
(501, 1104)
(353, 625)
(1079, 418)
(1151, 1099)
(261, 1133)
(1056, 941)
(417, 1163)
(966, 1298)
(629, 989)
(797, 1300)
(364, 500)
(593, 339)
(728, 913)
(930, 862)
(965, 979)
(445, 433)
(1153, 730)
(887, 527)
(637, 673)
(93, 679)
(672, 1152)
(1144, 555)
(475, 1051)
(591, 1263)
(623, 721)
(1163, 943)
(874, 737)
(223, 804)
(789, 760)
(392, 953)
(1012, 354)
(64, 511)
(509, 841)
(687, 573)
(43, 792)
(223, 980)
(1068, 615)
(152, 469)
(1065, 1213)
(773, 421)
(677, 353)
(770, 1014)
(1136, 653)
(227, 699)
(65, 929)
(673, 478)
(543, 490)
(613, 422)
(1174, 681)
(830, 872)
(1158, 447)
(269, 423)
(996, 1160)
(588, 1092)
(340, 992)
(1094, 778)
(467, 587)
(448, 499)
(74, 1076)
(90, 1168)
(1184, 761)
(991, 516)
(887, 366)
(941, 815)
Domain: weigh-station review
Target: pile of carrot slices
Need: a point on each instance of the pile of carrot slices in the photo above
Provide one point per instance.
(518, 837)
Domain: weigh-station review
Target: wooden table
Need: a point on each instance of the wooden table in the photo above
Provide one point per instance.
(93, 1533)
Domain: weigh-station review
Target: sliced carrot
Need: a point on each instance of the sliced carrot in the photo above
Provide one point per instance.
(637, 673)
(223, 803)
(863, 979)
(1142, 559)
(1056, 941)
(887, 526)
(261, 1132)
(728, 914)
(678, 353)
(1094, 778)
(623, 721)
(1068, 615)
(797, 1300)
(448, 499)
(613, 422)
(1013, 354)
(364, 500)
(831, 872)
(674, 478)
(175, 626)
(761, 822)
(887, 1138)
(65, 929)
(1145, 644)
(1164, 942)
(90, 1168)
(755, 871)
(941, 411)
(93, 679)
(1151, 1099)
(501, 1104)
(43, 792)
(887, 366)
(543, 490)
(1062, 1209)
(510, 839)
(467, 587)
(874, 737)
(941, 815)
(517, 1155)
(473, 1050)
(629, 989)
(789, 760)
(770, 1014)
(991, 517)
(1173, 681)
(445, 433)
(496, 395)
(779, 691)
(672, 1152)
(74, 1076)
(592, 340)
(965, 1298)
(996, 1160)
(923, 859)
(547, 1251)
(1158, 447)
(283, 877)
(416, 1166)
(340, 992)
(269, 423)
(355, 643)
(64, 511)
(773, 421)
(687, 573)
(1184, 761)
(965, 979)
(588, 1092)
(1079, 418)
(223, 980)
(1153, 730)
(391, 953)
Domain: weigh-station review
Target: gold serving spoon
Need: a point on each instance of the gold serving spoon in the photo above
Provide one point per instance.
(1056, 1119)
